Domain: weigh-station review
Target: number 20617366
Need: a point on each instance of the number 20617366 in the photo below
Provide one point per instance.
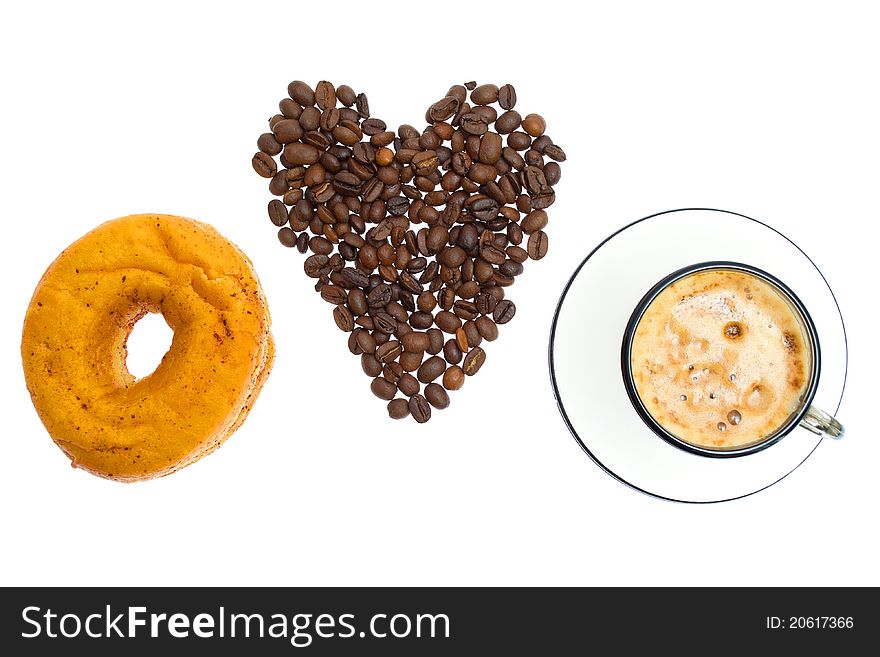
(810, 623)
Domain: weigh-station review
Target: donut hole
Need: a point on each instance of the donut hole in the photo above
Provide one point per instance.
(148, 342)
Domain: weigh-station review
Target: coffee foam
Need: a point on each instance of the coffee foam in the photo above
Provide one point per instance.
(720, 359)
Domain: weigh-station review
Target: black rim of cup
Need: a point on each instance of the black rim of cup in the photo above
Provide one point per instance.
(649, 420)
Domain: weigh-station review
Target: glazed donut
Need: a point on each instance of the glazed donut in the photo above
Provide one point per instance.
(74, 346)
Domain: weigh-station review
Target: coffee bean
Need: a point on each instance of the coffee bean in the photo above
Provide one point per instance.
(474, 361)
(383, 388)
(504, 312)
(392, 372)
(507, 96)
(388, 351)
(264, 165)
(379, 295)
(452, 352)
(453, 378)
(537, 246)
(437, 396)
(487, 328)
(419, 409)
(342, 317)
(301, 153)
(370, 365)
(411, 360)
(416, 341)
(447, 322)
(437, 339)
(367, 342)
(513, 267)
(554, 152)
(346, 95)
(398, 409)
(363, 105)
(552, 173)
(302, 242)
(432, 368)
(333, 294)
(268, 144)
(315, 264)
(534, 221)
(287, 237)
(421, 320)
(534, 125)
(301, 93)
(408, 384)
(384, 323)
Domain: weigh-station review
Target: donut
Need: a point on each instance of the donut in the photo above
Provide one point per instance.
(73, 346)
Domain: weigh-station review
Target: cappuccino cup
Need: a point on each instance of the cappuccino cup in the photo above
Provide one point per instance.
(722, 359)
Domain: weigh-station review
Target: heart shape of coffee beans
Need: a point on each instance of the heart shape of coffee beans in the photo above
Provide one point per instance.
(414, 235)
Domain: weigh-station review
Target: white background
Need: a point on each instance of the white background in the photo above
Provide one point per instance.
(768, 109)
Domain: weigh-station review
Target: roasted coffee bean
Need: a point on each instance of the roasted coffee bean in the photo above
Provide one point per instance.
(363, 105)
(367, 342)
(474, 124)
(333, 294)
(346, 95)
(388, 351)
(554, 152)
(485, 303)
(504, 311)
(277, 212)
(383, 388)
(447, 321)
(315, 264)
(268, 144)
(410, 361)
(534, 125)
(432, 368)
(419, 409)
(437, 339)
(452, 352)
(302, 242)
(379, 295)
(537, 245)
(421, 320)
(287, 237)
(534, 221)
(453, 378)
(474, 361)
(437, 396)
(385, 323)
(487, 328)
(398, 409)
(357, 301)
(513, 267)
(408, 384)
(392, 372)
(484, 94)
(507, 96)
(342, 317)
(474, 339)
(398, 206)
(552, 173)
(465, 310)
(370, 365)
(264, 165)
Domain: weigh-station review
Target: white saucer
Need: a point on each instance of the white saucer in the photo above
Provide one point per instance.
(588, 330)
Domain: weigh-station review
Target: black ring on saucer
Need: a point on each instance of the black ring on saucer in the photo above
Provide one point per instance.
(553, 378)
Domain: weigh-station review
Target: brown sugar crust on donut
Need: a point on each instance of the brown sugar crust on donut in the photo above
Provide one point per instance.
(74, 346)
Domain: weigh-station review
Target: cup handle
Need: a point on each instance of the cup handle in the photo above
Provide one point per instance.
(822, 424)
